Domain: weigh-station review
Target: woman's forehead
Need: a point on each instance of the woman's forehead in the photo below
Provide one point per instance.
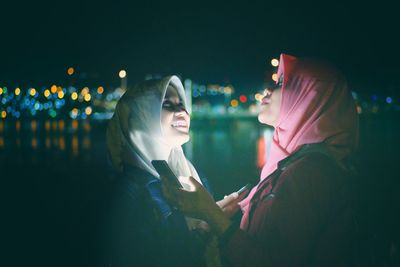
(171, 92)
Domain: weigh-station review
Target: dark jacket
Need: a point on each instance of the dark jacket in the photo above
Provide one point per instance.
(301, 215)
(143, 230)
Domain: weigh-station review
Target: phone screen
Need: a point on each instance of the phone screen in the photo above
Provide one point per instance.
(244, 189)
(164, 170)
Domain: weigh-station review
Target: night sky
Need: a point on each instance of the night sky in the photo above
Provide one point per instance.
(210, 43)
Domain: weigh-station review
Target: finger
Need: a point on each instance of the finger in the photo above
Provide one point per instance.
(234, 195)
(195, 182)
(232, 198)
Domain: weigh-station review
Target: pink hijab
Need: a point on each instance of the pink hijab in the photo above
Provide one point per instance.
(316, 106)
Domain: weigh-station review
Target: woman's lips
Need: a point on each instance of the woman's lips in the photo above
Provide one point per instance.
(180, 124)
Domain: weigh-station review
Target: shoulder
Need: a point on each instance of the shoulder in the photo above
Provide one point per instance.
(312, 172)
(314, 163)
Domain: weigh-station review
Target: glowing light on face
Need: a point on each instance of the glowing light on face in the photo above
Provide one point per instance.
(175, 121)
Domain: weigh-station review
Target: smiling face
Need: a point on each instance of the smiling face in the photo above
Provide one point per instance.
(270, 107)
(175, 121)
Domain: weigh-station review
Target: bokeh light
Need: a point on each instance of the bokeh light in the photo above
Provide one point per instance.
(275, 62)
(122, 74)
(100, 89)
(53, 89)
(74, 96)
(47, 93)
(88, 97)
(70, 71)
(32, 92)
(85, 91)
(88, 110)
(234, 103)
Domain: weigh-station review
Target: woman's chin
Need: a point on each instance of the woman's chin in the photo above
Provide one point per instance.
(262, 119)
(182, 139)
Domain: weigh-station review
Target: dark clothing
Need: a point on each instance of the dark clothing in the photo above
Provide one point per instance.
(300, 215)
(143, 230)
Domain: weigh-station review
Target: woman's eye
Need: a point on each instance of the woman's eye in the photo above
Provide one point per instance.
(167, 104)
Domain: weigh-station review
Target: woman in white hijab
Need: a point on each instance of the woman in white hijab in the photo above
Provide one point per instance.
(150, 122)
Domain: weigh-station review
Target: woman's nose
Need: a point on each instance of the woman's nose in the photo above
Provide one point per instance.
(181, 111)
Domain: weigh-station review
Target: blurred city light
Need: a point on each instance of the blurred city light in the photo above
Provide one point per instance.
(122, 74)
(95, 103)
(85, 91)
(53, 89)
(70, 71)
(88, 110)
(87, 97)
(275, 77)
(74, 96)
(234, 103)
(275, 62)
(46, 93)
(32, 92)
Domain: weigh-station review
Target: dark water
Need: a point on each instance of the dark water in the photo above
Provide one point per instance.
(54, 173)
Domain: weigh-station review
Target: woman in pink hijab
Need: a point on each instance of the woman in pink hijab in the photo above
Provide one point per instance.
(300, 212)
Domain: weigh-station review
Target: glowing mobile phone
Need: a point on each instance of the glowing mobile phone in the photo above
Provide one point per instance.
(244, 189)
(164, 170)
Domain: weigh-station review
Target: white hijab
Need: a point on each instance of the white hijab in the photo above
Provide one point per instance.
(134, 134)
